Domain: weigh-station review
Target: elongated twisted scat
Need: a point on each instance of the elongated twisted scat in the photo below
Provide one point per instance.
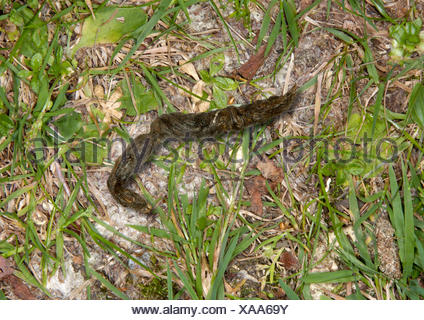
(180, 125)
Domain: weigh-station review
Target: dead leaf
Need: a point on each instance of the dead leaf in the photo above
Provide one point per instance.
(202, 106)
(19, 288)
(198, 104)
(251, 66)
(256, 188)
(111, 105)
(198, 90)
(289, 261)
(99, 92)
(270, 171)
(189, 68)
(6, 268)
(206, 276)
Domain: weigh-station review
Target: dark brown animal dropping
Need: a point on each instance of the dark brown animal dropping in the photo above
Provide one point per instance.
(180, 125)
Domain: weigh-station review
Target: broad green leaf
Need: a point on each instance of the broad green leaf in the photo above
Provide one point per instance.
(34, 38)
(110, 25)
(407, 38)
(216, 65)
(416, 105)
(203, 222)
(226, 84)
(415, 291)
(36, 61)
(205, 76)
(24, 74)
(220, 98)
(5, 124)
(69, 124)
(356, 167)
(93, 152)
(144, 99)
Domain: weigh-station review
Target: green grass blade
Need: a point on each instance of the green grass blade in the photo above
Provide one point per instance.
(146, 29)
(265, 23)
(281, 206)
(188, 285)
(169, 282)
(26, 276)
(341, 35)
(396, 212)
(218, 279)
(274, 34)
(291, 295)
(17, 194)
(353, 206)
(225, 24)
(156, 87)
(369, 61)
(409, 232)
(329, 277)
(108, 284)
(377, 106)
(290, 13)
(379, 5)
